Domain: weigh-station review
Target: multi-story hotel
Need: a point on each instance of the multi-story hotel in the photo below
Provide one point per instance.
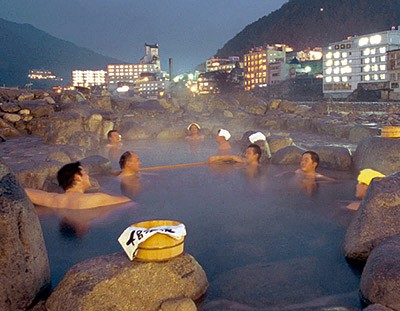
(358, 60)
(128, 73)
(257, 64)
(223, 64)
(88, 78)
(35, 74)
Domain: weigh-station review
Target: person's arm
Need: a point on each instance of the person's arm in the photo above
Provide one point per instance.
(91, 200)
(323, 177)
(40, 197)
(226, 158)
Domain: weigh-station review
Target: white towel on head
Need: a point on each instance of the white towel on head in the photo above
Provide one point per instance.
(256, 137)
(224, 133)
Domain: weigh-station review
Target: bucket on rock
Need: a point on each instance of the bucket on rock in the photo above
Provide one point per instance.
(390, 131)
(159, 247)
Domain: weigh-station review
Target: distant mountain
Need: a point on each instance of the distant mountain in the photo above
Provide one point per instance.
(315, 23)
(24, 47)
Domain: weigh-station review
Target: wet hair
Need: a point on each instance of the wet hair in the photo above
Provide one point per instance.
(257, 150)
(126, 156)
(110, 132)
(66, 175)
(314, 156)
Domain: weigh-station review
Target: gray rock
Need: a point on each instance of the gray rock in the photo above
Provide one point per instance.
(87, 140)
(26, 96)
(172, 133)
(59, 156)
(49, 100)
(34, 175)
(37, 126)
(37, 108)
(11, 117)
(112, 282)
(287, 156)
(93, 123)
(278, 142)
(376, 219)
(96, 164)
(378, 153)
(178, 304)
(332, 157)
(62, 125)
(7, 129)
(380, 280)
(360, 132)
(377, 307)
(10, 107)
(24, 266)
(133, 131)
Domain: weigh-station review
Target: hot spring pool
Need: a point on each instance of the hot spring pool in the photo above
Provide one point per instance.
(262, 242)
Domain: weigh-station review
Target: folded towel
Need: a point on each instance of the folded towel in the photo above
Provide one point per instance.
(133, 236)
(224, 133)
(256, 137)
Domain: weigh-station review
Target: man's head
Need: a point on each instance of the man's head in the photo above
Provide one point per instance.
(193, 128)
(70, 174)
(309, 161)
(364, 179)
(129, 160)
(253, 153)
(114, 137)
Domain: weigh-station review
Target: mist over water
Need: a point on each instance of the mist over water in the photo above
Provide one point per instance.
(262, 241)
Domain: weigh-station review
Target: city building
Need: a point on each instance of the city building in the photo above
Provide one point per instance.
(128, 73)
(151, 56)
(358, 62)
(149, 85)
(223, 64)
(207, 83)
(41, 74)
(257, 65)
(393, 66)
(89, 78)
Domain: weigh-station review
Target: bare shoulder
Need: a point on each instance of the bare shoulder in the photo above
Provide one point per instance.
(323, 177)
(91, 200)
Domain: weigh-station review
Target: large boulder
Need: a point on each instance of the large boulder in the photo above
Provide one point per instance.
(7, 129)
(172, 133)
(96, 164)
(24, 265)
(62, 125)
(34, 175)
(289, 155)
(37, 108)
(378, 153)
(332, 157)
(380, 280)
(112, 282)
(376, 219)
(359, 132)
(278, 142)
(93, 123)
(88, 140)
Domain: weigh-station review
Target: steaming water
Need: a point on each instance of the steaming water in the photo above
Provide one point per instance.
(262, 241)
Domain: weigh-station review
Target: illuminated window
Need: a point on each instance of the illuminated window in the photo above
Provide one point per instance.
(336, 79)
(343, 62)
(336, 55)
(382, 67)
(373, 59)
(366, 78)
(328, 79)
(363, 41)
(383, 58)
(382, 76)
(336, 63)
(336, 70)
(328, 55)
(344, 54)
(345, 79)
(375, 39)
(373, 51)
(367, 68)
(367, 51)
(382, 49)
(328, 71)
(367, 60)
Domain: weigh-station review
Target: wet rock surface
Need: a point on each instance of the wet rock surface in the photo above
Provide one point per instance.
(24, 265)
(380, 280)
(113, 282)
(376, 219)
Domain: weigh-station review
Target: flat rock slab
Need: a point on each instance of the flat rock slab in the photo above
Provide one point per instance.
(112, 282)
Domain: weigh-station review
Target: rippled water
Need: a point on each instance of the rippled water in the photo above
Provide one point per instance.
(262, 241)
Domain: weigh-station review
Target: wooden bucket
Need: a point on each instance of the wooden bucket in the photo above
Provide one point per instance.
(390, 131)
(159, 247)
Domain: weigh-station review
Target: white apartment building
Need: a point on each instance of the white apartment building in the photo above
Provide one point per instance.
(88, 78)
(358, 59)
(128, 73)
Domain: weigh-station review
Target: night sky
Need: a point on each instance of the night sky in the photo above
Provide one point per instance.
(189, 31)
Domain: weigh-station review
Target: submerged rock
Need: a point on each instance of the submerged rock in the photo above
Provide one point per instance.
(380, 280)
(112, 282)
(24, 266)
(332, 157)
(376, 219)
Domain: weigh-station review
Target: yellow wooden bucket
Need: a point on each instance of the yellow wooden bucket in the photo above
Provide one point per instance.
(390, 131)
(159, 247)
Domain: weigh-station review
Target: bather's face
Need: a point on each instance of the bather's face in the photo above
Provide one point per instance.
(114, 138)
(194, 130)
(134, 162)
(306, 164)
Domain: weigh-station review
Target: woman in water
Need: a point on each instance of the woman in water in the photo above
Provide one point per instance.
(194, 133)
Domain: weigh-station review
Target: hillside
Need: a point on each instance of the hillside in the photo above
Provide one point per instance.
(311, 23)
(24, 47)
